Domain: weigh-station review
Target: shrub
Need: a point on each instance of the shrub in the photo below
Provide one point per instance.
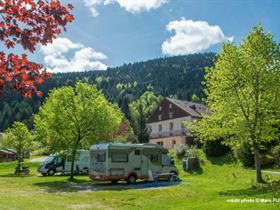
(185, 151)
(180, 151)
(266, 160)
(40, 152)
(244, 153)
(192, 152)
(215, 148)
(276, 155)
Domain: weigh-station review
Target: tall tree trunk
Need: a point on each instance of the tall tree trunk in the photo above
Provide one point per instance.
(257, 163)
(72, 163)
(74, 152)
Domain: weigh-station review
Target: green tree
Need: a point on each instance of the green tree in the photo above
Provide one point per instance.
(142, 130)
(124, 106)
(18, 138)
(243, 94)
(140, 111)
(195, 98)
(72, 118)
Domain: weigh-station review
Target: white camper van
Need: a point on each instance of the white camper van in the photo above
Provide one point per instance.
(129, 162)
(55, 163)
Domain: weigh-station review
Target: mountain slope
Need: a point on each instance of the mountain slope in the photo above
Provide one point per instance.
(178, 77)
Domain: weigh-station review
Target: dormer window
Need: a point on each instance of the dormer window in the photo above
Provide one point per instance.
(170, 106)
(170, 115)
(159, 127)
(159, 117)
(193, 107)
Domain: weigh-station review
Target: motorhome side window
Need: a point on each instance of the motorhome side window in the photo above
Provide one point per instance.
(119, 157)
(100, 157)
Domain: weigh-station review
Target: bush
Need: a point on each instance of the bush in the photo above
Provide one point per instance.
(215, 148)
(192, 152)
(40, 152)
(185, 151)
(276, 155)
(266, 160)
(180, 151)
(244, 153)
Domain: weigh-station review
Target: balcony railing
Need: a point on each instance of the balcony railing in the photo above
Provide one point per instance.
(168, 133)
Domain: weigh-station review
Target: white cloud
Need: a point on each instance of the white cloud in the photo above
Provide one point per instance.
(84, 59)
(136, 6)
(133, 6)
(60, 46)
(192, 37)
(92, 4)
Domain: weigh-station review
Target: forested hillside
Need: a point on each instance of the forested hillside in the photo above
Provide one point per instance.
(178, 77)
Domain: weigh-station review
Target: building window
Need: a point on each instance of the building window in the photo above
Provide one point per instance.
(182, 124)
(170, 115)
(160, 143)
(170, 106)
(159, 117)
(160, 108)
(174, 142)
(150, 129)
(159, 127)
(171, 126)
(183, 128)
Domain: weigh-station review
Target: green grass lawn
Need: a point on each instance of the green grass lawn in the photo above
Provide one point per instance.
(218, 180)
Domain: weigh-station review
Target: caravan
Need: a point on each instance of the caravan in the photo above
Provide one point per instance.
(129, 162)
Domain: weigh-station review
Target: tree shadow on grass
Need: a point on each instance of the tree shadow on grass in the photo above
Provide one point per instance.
(259, 189)
(196, 171)
(90, 186)
(16, 176)
(222, 160)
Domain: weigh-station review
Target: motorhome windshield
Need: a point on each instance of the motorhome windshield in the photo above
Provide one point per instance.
(50, 159)
(166, 160)
(99, 156)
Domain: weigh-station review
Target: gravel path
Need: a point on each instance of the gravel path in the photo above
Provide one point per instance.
(38, 160)
(272, 172)
(122, 186)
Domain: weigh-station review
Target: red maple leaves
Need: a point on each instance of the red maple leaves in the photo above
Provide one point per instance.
(28, 23)
(17, 73)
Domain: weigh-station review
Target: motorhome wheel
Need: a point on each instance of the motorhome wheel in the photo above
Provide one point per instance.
(27, 172)
(51, 172)
(86, 170)
(131, 179)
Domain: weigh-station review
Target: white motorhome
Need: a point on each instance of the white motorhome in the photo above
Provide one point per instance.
(57, 164)
(129, 162)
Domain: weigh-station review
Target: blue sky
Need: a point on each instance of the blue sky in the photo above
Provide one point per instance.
(112, 32)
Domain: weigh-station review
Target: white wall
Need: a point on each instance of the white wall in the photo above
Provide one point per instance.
(177, 124)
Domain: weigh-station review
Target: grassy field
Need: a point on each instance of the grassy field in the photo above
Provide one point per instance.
(219, 180)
